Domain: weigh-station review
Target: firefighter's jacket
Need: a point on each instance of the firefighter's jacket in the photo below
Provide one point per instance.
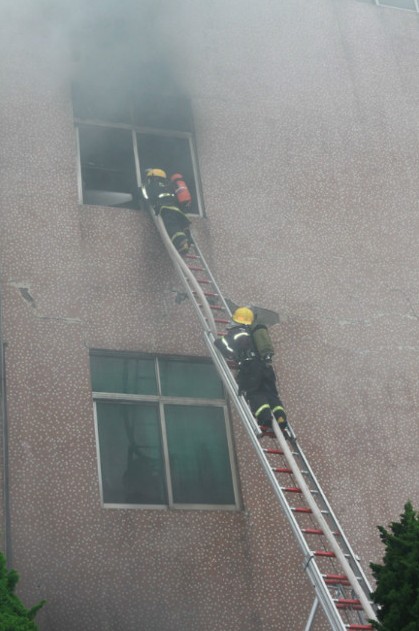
(161, 194)
(238, 345)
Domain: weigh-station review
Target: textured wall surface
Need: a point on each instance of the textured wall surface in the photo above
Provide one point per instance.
(307, 136)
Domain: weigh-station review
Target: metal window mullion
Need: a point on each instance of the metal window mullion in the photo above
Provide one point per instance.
(79, 175)
(166, 455)
(155, 398)
(99, 461)
(155, 131)
(230, 448)
(136, 158)
(196, 174)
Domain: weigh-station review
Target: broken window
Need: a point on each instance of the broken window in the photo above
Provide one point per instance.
(119, 140)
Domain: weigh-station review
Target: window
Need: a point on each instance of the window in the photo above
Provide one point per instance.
(400, 4)
(410, 5)
(120, 134)
(162, 433)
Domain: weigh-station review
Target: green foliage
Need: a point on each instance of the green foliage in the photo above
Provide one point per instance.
(397, 591)
(13, 615)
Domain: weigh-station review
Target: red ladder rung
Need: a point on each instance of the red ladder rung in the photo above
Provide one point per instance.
(277, 452)
(281, 470)
(194, 268)
(191, 256)
(335, 578)
(342, 583)
(301, 509)
(291, 489)
(359, 627)
(317, 531)
(324, 553)
(221, 320)
(203, 282)
(348, 601)
(351, 607)
(312, 531)
(217, 308)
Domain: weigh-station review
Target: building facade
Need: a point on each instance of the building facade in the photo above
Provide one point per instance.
(296, 125)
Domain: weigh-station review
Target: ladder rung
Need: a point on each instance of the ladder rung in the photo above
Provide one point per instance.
(342, 583)
(191, 256)
(222, 320)
(194, 268)
(335, 578)
(277, 452)
(209, 294)
(359, 627)
(281, 470)
(217, 308)
(203, 282)
(347, 601)
(317, 531)
(302, 509)
(323, 553)
(291, 489)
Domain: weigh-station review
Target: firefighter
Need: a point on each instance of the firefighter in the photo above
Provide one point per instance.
(162, 196)
(249, 345)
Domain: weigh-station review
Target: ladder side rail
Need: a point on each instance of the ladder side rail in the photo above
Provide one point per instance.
(187, 277)
(312, 614)
(210, 328)
(310, 565)
(342, 536)
(213, 281)
(328, 534)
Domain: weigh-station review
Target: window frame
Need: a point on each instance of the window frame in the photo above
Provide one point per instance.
(389, 6)
(161, 401)
(135, 130)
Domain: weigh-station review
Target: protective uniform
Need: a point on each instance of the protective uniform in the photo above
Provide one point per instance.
(162, 196)
(256, 377)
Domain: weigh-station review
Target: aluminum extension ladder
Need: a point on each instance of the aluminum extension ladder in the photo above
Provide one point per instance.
(340, 584)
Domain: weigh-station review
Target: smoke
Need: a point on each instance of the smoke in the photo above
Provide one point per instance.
(98, 41)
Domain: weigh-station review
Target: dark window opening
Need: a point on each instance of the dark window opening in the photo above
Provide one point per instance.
(173, 155)
(125, 130)
(107, 167)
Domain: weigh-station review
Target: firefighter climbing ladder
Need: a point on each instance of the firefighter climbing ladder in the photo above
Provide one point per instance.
(340, 584)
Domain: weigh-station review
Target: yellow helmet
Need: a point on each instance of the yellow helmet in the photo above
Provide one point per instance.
(155, 173)
(243, 315)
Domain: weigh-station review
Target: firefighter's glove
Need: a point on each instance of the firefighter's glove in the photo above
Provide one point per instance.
(267, 359)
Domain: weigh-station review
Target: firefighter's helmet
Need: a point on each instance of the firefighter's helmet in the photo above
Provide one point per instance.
(155, 173)
(243, 315)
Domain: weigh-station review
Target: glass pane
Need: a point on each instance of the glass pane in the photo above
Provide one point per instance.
(127, 375)
(107, 167)
(173, 155)
(198, 452)
(399, 4)
(131, 458)
(189, 379)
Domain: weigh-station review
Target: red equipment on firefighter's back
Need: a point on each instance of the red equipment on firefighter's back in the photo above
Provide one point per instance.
(181, 190)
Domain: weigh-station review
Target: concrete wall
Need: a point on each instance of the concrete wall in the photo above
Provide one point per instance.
(307, 138)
